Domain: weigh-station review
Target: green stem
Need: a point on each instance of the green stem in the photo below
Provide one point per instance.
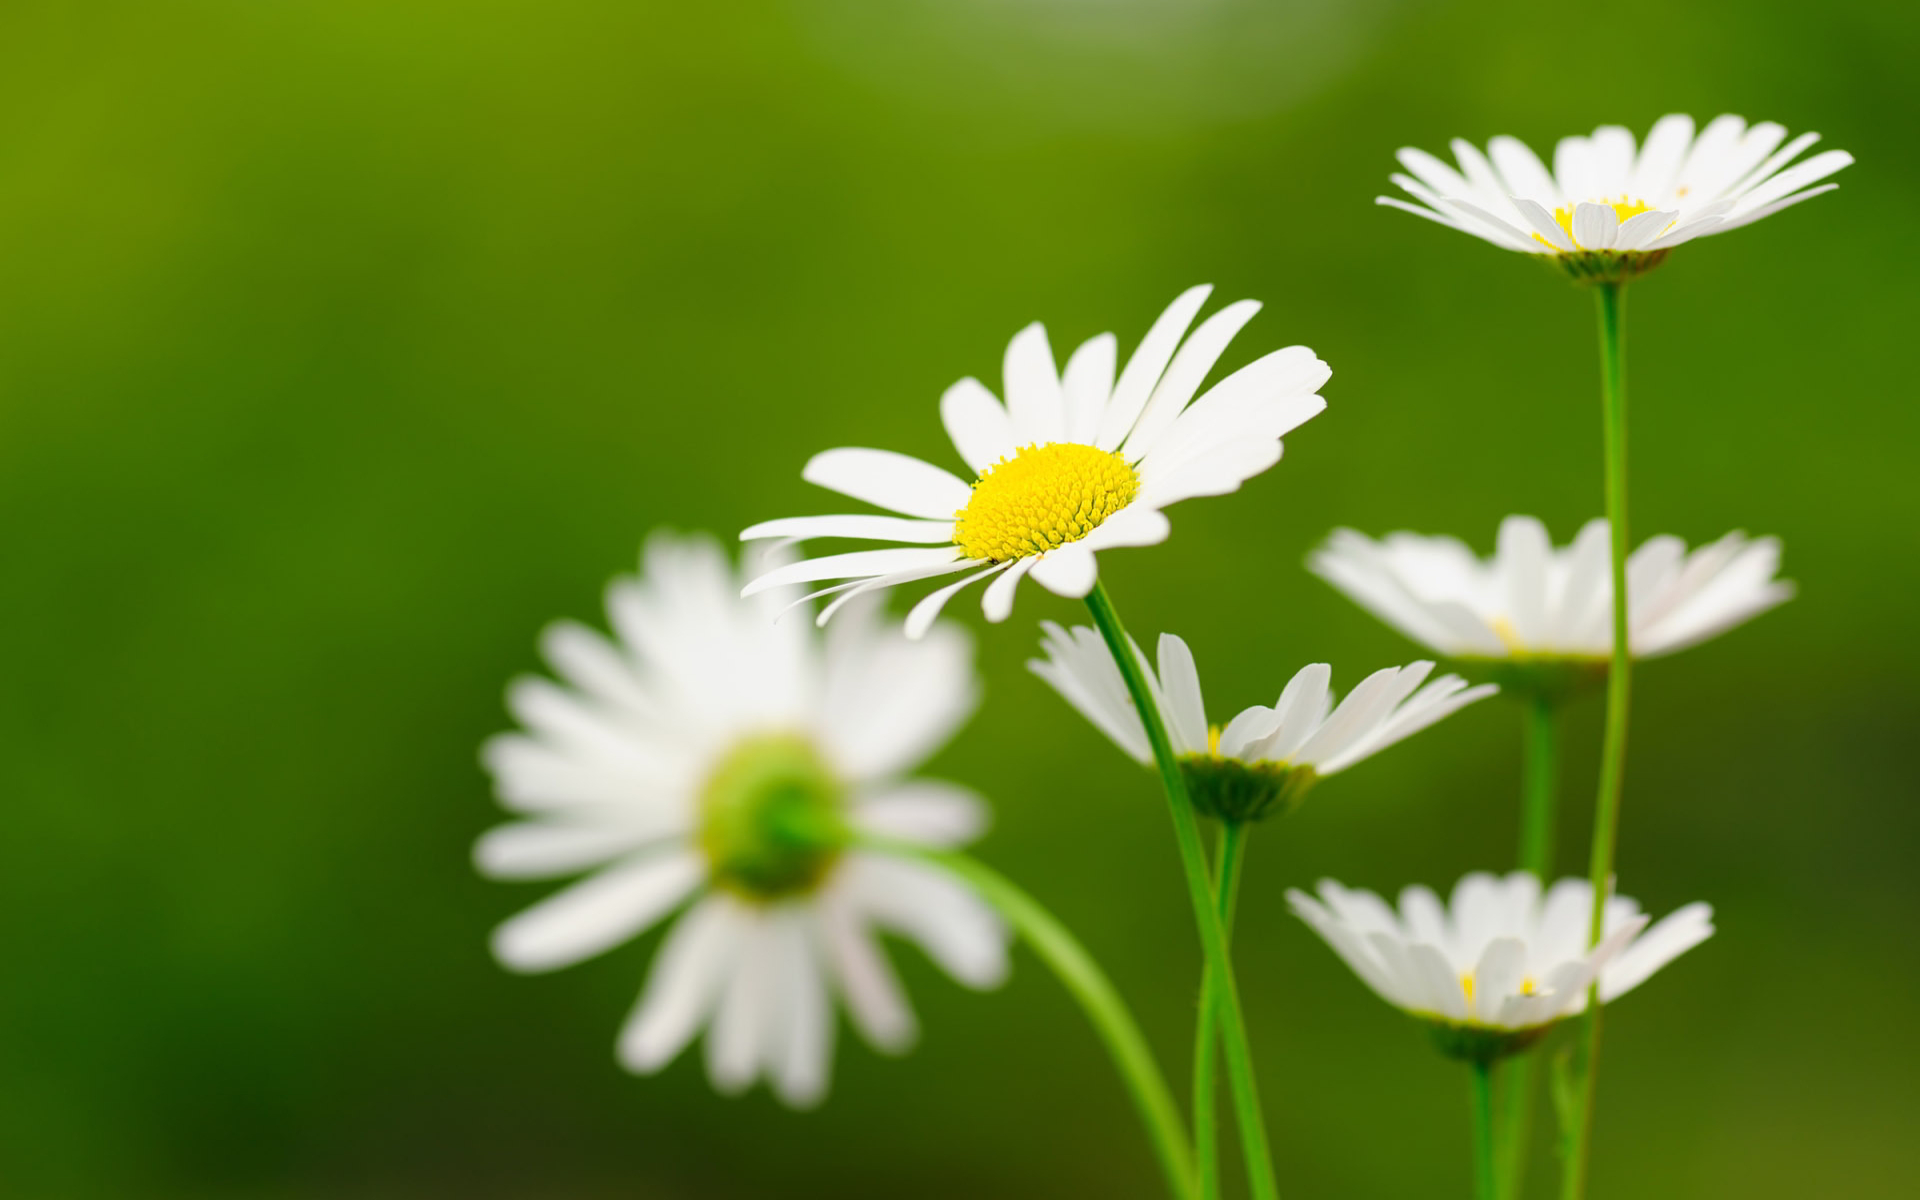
(1613, 754)
(1213, 935)
(1538, 804)
(1537, 813)
(1483, 1179)
(1232, 851)
(1083, 978)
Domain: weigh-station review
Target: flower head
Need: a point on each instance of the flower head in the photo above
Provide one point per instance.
(711, 757)
(1546, 611)
(1073, 463)
(1265, 759)
(1496, 968)
(1607, 212)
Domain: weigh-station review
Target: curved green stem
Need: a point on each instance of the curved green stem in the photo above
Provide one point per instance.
(1483, 1179)
(1228, 855)
(1613, 754)
(1537, 813)
(1213, 936)
(1089, 985)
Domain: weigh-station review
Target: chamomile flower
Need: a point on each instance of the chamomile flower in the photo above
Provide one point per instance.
(1265, 759)
(1548, 610)
(1073, 463)
(1501, 964)
(710, 757)
(1606, 211)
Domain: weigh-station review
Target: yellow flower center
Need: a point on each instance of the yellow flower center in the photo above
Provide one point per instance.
(1042, 497)
(1623, 208)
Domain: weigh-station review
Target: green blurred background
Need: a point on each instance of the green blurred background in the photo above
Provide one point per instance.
(343, 345)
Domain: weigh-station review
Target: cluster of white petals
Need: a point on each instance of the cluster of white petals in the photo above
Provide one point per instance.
(1501, 955)
(1159, 438)
(608, 776)
(1604, 194)
(1304, 727)
(1534, 600)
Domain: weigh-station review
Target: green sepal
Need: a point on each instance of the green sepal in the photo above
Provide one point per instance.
(1607, 266)
(1553, 678)
(1227, 789)
(1480, 1043)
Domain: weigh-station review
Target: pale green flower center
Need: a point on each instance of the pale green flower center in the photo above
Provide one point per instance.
(772, 819)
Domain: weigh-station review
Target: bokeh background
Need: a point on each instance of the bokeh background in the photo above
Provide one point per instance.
(344, 344)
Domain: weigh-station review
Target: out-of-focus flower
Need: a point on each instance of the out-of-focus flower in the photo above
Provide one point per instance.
(713, 757)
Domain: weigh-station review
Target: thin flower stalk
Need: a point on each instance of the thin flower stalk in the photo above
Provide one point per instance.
(1213, 939)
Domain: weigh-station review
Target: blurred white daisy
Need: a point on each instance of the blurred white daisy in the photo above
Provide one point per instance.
(710, 755)
(1607, 211)
(1499, 965)
(1535, 604)
(1265, 759)
(1072, 463)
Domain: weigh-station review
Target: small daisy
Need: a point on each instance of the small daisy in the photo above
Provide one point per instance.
(1072, 463)
(1494, 970)
(1532, 603)
(711, 757)
(1606, 212)
(1266, 758)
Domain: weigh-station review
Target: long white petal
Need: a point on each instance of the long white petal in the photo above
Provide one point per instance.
(597, 913)
(889, 480)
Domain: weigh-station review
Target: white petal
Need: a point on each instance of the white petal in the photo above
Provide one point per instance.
(1524, 173)
(1088, 385)
(597, 913)
(1677, 933)
(544, 849)
(866, 980)
(1186, 710)
(596, 666)
(1185, 374)
(980, 428)
(1034, 399)
(1134, 525)
(737, 1041)
(683, 985)
(1497, 976)
(865, 526)
(1593, 226)
(1543, 224)
(1068, 570)
(1149, 361)
(923, 614)
(889, 480)
(997, 604)
(889, 701)
(804, 1015)
(854, 565)
(927, 811)
(955, 927)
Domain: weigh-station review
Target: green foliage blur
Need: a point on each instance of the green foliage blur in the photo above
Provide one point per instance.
(343, 345)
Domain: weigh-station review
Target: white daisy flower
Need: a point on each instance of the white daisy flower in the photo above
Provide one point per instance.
(1072, 463)
(1540, 606)
(1607, 212)
(711, 757)
(1495, 969)
(1265, 759)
